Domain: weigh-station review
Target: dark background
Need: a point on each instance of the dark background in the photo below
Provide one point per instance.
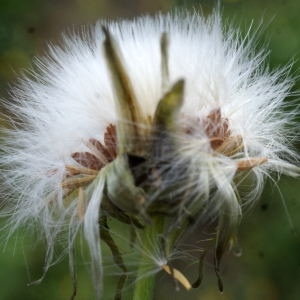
(270, 265)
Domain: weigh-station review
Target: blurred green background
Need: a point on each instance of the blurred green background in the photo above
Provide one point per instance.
(270, 265)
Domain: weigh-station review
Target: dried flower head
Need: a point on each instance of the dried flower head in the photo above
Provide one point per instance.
(160, 120)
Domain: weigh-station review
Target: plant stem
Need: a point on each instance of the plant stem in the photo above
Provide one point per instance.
(151, 246)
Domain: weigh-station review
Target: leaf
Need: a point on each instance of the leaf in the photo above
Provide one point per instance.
(111, 210)
(229, 218)
(164, 44)
(198, 282)
(126, 196)
(165, 127)
(106, 237)
(132, 123)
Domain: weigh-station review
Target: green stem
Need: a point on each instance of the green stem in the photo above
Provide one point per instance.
(145, 281)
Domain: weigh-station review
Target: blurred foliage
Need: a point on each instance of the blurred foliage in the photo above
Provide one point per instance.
(270, 265)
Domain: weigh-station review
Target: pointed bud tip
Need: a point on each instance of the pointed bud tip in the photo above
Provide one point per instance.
(179, 86)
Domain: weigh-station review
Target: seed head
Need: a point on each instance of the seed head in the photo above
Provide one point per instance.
(167, 116)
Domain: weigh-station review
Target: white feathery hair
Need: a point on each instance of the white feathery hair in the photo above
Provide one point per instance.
(69, 98)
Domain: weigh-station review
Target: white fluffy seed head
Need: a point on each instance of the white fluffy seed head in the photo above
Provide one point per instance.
(69, 100)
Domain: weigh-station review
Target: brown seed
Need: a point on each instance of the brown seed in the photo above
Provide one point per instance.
(248, 164)
(231, 146)
(82, 203)
(74, 170)
(102, 154)
(216, 142)
(178, 276)
(88, 160)
(110, 140)
(74, 183)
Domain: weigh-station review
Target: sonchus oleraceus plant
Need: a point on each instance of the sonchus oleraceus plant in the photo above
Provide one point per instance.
(159, 123)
